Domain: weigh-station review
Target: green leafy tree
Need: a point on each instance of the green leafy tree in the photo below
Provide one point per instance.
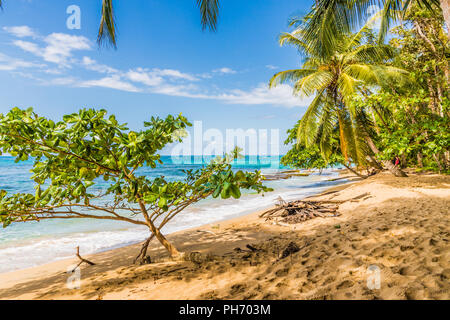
(423, 49)
(412, 118)
(73, 156)
(355, 64)
(236, 153)
(300, 156)
(407, 127)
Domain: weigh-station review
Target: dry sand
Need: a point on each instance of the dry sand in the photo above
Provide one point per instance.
(401, 226)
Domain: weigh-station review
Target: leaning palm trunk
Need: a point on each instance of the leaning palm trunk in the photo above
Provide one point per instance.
(354, 171)
(445, 5)
(396, 171)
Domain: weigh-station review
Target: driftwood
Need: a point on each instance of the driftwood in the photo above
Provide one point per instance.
(82, 260)
(298, 211)
(301, 210)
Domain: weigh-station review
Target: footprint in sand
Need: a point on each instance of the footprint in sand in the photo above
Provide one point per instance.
(345, 284)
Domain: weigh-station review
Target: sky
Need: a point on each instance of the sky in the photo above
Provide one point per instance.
(164, 62)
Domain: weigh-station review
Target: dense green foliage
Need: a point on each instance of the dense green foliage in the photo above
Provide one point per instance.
(332, 17)
(377, 100)
(302, 157)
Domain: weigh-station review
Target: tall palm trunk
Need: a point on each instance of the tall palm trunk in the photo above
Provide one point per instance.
(396, 171)
(445, 5)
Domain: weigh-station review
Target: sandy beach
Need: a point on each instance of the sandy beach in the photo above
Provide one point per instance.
(399, 225)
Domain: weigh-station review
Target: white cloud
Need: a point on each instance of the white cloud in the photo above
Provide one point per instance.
(28, 46)
(63, 81)
(9, 64)
(224, 70)
(260, 95)
(174, 74)
(112, 82)
(280, 95)
(271, 67)
(186, 91)
(143, 76)
(61, 49)
(58, 49)
(21, 31)
(93, 65)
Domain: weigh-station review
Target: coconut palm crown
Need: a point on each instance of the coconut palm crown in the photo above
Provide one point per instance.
(352, 63)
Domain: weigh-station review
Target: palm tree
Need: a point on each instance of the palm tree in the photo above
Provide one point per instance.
(330, 17)
(209, 11)
(334, 76)
(236, 153)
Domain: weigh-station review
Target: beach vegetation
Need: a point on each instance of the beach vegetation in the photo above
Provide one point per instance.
(373, 101)
(88, 166)
(329, 18)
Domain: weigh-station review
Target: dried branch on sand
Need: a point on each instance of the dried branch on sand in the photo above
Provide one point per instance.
(82, 260)
(301, 210)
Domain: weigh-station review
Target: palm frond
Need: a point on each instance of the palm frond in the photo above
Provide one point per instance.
(376, 74)
(107, 31)
(390, 12)
(326, 127)
(371, 52)
(287, 38)
(209, 11)
(353, 145)
(343, 140)
(331, 18)
(390, 74)
(360, 125)
(289, 76)
(313, 82)
(347, 86)
(312, 62)
(307, 129)
(357, 37)
(363, 72)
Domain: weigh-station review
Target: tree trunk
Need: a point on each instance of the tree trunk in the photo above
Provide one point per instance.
(447, 158)
(375, 162)
(436, 158)
(354, 171)
(445, 5)
(157, 233)
(420, 159)
(403, 161)
(396, 171)
(142, 256)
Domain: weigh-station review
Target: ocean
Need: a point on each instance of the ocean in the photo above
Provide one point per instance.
(24, 245)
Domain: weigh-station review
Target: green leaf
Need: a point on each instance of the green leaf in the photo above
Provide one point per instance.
(235, 192)
(162, 202)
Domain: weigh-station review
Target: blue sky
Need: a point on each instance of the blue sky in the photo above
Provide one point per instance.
(164, 64)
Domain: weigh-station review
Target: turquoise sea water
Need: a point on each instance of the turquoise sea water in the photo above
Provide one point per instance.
(30, 244)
